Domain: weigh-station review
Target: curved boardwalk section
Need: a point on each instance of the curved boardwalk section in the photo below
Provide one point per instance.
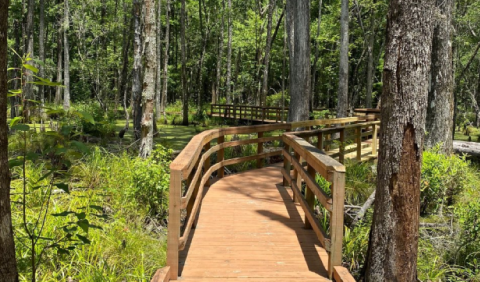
(249, 229)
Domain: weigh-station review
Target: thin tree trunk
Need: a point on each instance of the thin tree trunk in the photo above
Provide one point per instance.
(268, 46)
(137, 69)
(440, 97)
(158, 87)
(149, 79)
(184, 64)
(41, 52)
(8, 264)
(217, 93)
(165, 61)
(317, 56)
(58, 90)
(370, 64)
(66, 91)
(300, 80)
(28, 87)
(229, 53)
(15, 73)
(342, 106)
(202, 55)
(393, 246)
(122, 80)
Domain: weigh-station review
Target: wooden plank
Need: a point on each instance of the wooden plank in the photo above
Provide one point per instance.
(336, 221)
(341, 274)
(260, 151)
(299, 124)
(220, 156)
(174, 223)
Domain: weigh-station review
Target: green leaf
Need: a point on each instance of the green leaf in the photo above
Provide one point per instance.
(30, 67)
(64, 213)
(15, 120)
(31, 156)
(15, 162)
(83, 239)
(40, 62)
(80, 146)
(63, 251)
(84, 224)
(45, 176)
(81, 215)
(86, 116)
(63, 187)
(21, 127)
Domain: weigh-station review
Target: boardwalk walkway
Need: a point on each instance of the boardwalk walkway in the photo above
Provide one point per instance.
(250, 228)
(246, 226)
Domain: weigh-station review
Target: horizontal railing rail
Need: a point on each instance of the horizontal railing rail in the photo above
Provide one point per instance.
(204, 155)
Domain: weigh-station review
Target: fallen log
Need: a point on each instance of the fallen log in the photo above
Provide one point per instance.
(469, 148)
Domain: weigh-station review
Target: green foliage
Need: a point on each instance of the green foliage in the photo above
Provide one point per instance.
(150, 181)
(443, 177)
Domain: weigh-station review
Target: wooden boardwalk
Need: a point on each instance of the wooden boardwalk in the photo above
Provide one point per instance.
(249, 229)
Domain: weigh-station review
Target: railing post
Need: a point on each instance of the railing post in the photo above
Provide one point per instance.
(320, 141)
(211, 110)
(341, 157)
(263, 114)
(286, 163)
(336, 223)
(259, 151)
(375, 140)
(207, 163)
(174, 222)
(234, 112)
(220, 156)
(297, 177)
(309, 196)
(359, 143)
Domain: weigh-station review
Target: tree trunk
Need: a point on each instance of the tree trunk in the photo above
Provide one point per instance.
(28, 87)
(204, 40)
(468, 148)
(370, 64)
(229, 54)
(165, 60)
(15, 74)
(158, 87)
(439, 124)
(122, 79)
(217, 93)
(317, 56)
(58, 90)
(41, 73)
(300, 79)
(268, 46)
(66, 91)
(342, 105)
(394, 236)
(184, 64)
(8, 264)
(149, 79)
(137, 69)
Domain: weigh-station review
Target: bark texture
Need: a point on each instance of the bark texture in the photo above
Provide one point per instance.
(229, 54)
(58, 90)
(342, 105)
(217, 93)
(28, 87)
(8, 264)
(158, 87)
(394, 236)
(370, 64)
(149, 79)
(439, 125)
(300, 79)
(137, 69)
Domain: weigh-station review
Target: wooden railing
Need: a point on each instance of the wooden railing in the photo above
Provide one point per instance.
(192, 169)
(334, 173)
(271, 114)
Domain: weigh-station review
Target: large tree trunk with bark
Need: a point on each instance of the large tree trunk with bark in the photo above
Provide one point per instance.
(342, 105)
(165, 60)
(184, 64)
(66, 68)
(440, 97)
(300, 79)
(8, 264)
(137, 69)
(392, 254)
(149, 79)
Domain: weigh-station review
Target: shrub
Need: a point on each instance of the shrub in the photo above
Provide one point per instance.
(150, 181)
(443, 177)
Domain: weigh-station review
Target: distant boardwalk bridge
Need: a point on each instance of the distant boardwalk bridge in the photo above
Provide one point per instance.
(260, 224)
